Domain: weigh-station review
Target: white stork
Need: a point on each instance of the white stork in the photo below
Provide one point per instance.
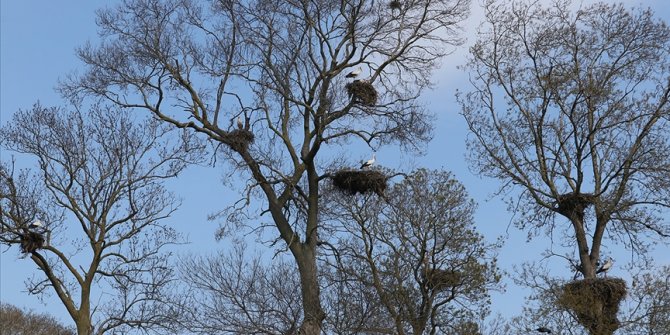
(608, 265)
(240, 124)
(35, 224)
(369, 162)
(354, 73)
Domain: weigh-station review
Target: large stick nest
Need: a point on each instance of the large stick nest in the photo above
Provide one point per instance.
(239, 139)
(362, 92)
(31, 242)
(439, 279)
(574, 203)
(395, 4)
(595, 302)
(360, 181)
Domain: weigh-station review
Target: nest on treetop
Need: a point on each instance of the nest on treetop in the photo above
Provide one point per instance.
(360, 181)
(595, 302)
(438, 279)
(574, 203)
(361, 91)
(239, 139)
(395, 4)
(31, 242)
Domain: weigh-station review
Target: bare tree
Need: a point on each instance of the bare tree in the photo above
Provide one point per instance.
(16, 321)
(238, 293)
(417, 248)
(571, 108)
(97, 192)
(276, 70)
(235, 293)
(410, 264)
(648, 309)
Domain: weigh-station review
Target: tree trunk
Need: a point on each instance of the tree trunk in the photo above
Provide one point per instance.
(598, 321)
(83, 323)
(587, 267)
(313, 313)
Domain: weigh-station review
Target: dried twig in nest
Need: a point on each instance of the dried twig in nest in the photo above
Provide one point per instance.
(240, 139)
(570, 204)
(438, 279)
(595, 302)
(395, 4)
(31, 242)
(360, 181)
(362, 92)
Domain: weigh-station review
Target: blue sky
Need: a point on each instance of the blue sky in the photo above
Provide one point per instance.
(38, 41)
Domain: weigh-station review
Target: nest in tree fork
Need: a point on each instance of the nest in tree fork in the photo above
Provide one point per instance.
(31, 242)
(361, 91)
(239, 139)
(573, 203)
(438, 279)
(395, 4)
(595, 302)
(360, 181)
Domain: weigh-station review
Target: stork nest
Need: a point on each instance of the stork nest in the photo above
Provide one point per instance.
(595, 302)
(239, 139)
(438, 279)
(360, 181)
(395, 4)
(361, 91)
(574, 203)
(31, 242)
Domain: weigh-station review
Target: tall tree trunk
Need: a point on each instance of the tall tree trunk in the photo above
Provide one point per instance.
(311, 301)
(83, 322)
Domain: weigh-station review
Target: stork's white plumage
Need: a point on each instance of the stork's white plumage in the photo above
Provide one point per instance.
(354, 73)
(35, 224)
(240, 124)
(608, 265)
(369, 162)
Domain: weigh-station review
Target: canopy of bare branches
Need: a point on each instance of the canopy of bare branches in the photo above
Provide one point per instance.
(97, 189)
(281, 66)
(570, 107)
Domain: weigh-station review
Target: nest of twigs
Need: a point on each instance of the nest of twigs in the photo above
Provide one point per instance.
(438, 279)
(595, 302)
(240, 139)
(360, 181)
(572, 203)
(395, 4)
(31, 242)
(361, 91)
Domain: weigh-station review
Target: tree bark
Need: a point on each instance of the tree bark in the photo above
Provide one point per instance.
(311, 300)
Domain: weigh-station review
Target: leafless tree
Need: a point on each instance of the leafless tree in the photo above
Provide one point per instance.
(417, 249)
(277, 67)
(647, 310)
(16, 321)
(97, 189)
(237, 293)
(409, 264)
(571, 108)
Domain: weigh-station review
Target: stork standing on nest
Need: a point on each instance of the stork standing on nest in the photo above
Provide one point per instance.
(369, 162)
(607, 266)
(36, 224)
(354, 73)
